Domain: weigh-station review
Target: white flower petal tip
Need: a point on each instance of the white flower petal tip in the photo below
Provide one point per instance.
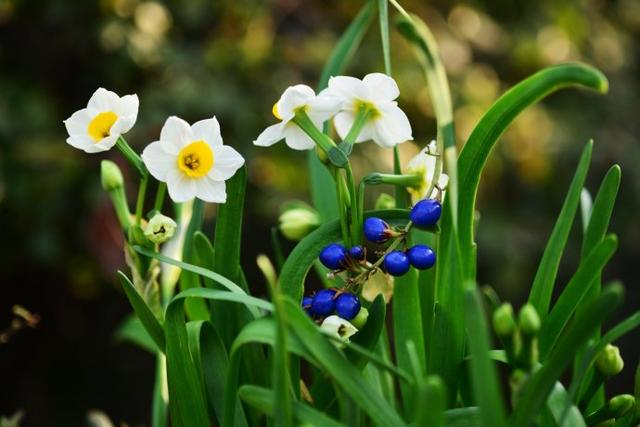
(319, 108)
(387, 125)
(338, 327)
(107, 117)
(192, 160)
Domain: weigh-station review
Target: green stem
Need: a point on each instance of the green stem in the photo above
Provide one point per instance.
(343, 203)
(364, 112)
(119, 201)
(335, 155)
(132, 157)
(160, 193)
(404, 180)
(142, 191)
(356, 225)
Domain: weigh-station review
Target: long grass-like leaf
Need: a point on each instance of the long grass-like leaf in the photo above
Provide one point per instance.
(544, 281)
(484, 376)
(536, 391)
(431, 403)
(574, 293)
(196, 309)
(492, 125)
(142, 310)
(132, 330)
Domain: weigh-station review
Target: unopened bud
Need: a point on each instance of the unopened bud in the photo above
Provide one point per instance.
(160, 228)
(528, 320)
(110, 175)
(297, 222)
(503, 321)
(361, 318)
(385, 201)
(609, 361)
(621, 404)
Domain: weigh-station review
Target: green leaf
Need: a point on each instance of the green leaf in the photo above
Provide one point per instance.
(295, 269)
(323, 192)
(368, 336)
(431, 403)
(563, 412)
(160, 400)
(263, 400)
(543, 283)
(492, 125)
(463, 417)
(142, 310)
(281, 378)
(132, 330)
(343, 373)
(484, 376)
(537, 389)
(574, 293)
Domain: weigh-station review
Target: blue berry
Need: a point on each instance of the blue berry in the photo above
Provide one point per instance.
(421, 257)
(306, 304)
(357, 253)
(347, 305)
(396, 263)
(323, 303)
(426, 213)
(376, 230)
(333, 256)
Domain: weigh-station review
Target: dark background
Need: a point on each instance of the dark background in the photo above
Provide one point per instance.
(60, 244)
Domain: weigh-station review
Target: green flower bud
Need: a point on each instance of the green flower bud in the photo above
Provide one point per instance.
(385, 201)
(609, 361)
(621, 404)
(110, 176)
(136, 236)
(297, 222)
(361, 318)
(528, 320)
(160, 228)
(503, 321)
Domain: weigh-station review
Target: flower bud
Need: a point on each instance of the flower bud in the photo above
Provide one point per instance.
(297, 222)
(528, 320)
(361, 318)
(609, 361)
(160, 228)
(110, 175)
(503, 321)
(385, 201)
(337, 326)
(621, 404)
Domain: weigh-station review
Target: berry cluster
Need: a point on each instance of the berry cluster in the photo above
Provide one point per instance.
(332, 301)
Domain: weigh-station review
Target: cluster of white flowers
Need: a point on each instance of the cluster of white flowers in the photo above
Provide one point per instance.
(386, 124)
(191, 159)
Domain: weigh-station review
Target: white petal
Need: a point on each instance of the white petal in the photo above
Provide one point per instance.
(122, 125)
(106, 143)
(181, 187)
(343, 122)
(393, 127)
(347, 89)
(78, 123)
(292, 98)
(297, 139)
(270, 135)
(158, 161)
(175, 134)
(127, 106)
(81, 142)
(211, 191)
(324, 106)
(226, 162)
(207, 130)
(103, 100)
(381, 87)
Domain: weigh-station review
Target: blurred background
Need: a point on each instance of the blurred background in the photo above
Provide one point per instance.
(59, 241)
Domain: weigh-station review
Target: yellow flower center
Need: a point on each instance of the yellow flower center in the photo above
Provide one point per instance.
(100, 127)
(196, 159)
(361, 105)
(275, 112)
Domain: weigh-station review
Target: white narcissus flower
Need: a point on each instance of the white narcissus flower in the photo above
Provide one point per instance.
(424, 164)
(319, 108)
(387, 125)
(337, 326)
(192, 160)
(98, 127)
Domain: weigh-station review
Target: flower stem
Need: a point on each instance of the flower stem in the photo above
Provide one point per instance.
(142, 191)
(160, 192)
(361, 119)
(404, 180)
(119, 201)
(335, 155)
(132, 157)
(356, 224)
(343, 203)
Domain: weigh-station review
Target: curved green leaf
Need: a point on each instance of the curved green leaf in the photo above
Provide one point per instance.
(493, 124)
(142, 310)
(196, 309)
(132, 330)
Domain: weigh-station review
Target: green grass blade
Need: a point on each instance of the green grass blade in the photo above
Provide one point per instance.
(342, 372)
(484, 376)
(262, 399)
(160, 399)
(573, 294)
(544, 281)
(562, 411)
(463, 417)
(496, 120)
(282, 400)
(536, 391)
(369, 335)
(142, 310)
(430, 403)
(132, 330)
(383, 17)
